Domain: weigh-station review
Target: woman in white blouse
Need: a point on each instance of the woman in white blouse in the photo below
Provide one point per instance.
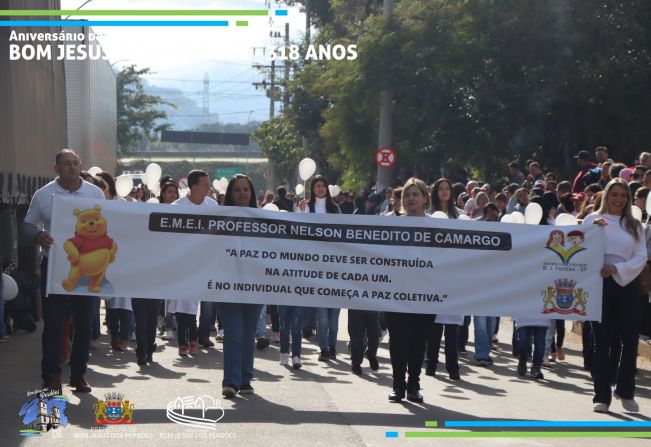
(625, 256)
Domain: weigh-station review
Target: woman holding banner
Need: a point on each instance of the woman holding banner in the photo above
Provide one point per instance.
(443, 200)
(240, 320)
(321, 202)
(624, 259)
(408, 332)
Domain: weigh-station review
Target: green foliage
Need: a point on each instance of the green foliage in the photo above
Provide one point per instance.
(281, 143)
(476, 83)
(138, 116)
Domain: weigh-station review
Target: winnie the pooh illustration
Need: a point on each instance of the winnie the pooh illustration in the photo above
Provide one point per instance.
(90, 251)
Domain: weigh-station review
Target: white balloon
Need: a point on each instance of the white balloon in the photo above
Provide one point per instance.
(518, 217)
(463, 217)
(565, 219)
(215, 184)
(637, 212)
(123, 185)
(300, 189)
(270, 207)
(223, 182)
(507, 218)
(533, 214)
(153, 200)
(331, 190)
(440, 215)
(183, 192)
(153, 173)
(648, 206)
(9, 288)
(336, 190)
(306, 168)
(155, 188)
(94, 170)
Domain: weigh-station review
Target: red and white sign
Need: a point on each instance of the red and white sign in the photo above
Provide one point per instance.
(385, 157)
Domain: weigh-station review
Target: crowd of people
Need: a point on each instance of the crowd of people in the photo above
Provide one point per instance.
(603, 192)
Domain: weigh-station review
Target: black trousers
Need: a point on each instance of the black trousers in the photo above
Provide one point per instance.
(407, 335)
(462, 337)
(55, 311)
(434, 336)
(618, 320)
(363, 324)
(145, 312)
(186, 328)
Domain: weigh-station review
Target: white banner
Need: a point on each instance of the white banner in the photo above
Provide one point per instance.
(402, 264)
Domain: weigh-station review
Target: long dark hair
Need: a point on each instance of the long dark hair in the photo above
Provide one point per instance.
(110, 182)
(436, 202)
(331, 206)
(228, 200)
(165, 187)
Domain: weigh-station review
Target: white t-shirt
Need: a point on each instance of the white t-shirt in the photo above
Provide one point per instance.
(185, 200)
(190, 306)
(40, 208)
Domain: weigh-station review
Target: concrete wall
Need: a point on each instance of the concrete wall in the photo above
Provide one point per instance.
(33, 122)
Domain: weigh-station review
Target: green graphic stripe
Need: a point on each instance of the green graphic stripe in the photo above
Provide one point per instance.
(431, 424)
(133, 12)
(241, 23)
(530, 434)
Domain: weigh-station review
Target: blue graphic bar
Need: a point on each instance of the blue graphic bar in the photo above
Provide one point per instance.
(572, 424)
(392, 434)
(281, 12)
(50, 23)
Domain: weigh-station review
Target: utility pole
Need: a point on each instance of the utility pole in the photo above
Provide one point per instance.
(385, 175)
(307, 22)
(286, 91)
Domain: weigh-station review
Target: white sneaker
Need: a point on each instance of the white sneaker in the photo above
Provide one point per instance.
(296, 363)
(284, 359)
(220, 335)
(600, 407)
(629, 404)
(169, 335)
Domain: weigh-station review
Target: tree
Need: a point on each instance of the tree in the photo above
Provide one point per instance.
(138, 115)
(281, 142)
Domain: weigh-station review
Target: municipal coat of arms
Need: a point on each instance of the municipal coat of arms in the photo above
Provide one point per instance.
(564, 298)
(114, 410)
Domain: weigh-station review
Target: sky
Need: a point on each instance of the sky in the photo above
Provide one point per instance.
(179, 57)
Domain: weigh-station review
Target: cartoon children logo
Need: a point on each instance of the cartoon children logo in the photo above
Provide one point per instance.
(114, 410)
(90, 251)
(565, 298)
(565, 250)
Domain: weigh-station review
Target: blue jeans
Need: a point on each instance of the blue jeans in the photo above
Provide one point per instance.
(95, 332)
(484, 328)
(207, 317)
(539, 334)
(119, 322)
(240, 321)
(327, 327)
(261, 328)
(291, 320)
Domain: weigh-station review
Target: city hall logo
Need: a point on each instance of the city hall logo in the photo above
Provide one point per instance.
(43, 411)
(114, 410)
(565, 249)
(565, 298)
(199, 412)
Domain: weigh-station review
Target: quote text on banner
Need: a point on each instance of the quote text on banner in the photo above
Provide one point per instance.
(396, 264)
